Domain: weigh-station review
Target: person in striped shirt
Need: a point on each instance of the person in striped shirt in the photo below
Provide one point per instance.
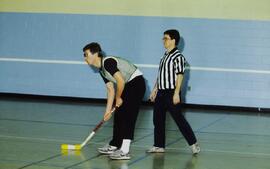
(166, 94)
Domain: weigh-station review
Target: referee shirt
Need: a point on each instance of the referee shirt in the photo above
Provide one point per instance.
(171, 64)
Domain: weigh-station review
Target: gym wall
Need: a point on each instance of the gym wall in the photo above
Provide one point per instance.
(226, 43)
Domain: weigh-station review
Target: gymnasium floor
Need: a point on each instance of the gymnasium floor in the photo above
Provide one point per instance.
(32, 131)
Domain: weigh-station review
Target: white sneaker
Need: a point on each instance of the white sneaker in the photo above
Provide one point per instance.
(195, 148)
(119, 155)
(107, 149)
(156, 150)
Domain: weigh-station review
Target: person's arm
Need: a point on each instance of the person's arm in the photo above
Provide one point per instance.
(110, 99)
(110, 65)
(120, 85)
(176, 96)
(179, 70)
(153, 93)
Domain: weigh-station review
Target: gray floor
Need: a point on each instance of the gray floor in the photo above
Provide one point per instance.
(31, 133)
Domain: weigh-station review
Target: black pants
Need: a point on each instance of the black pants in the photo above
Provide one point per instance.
(125, 117)
(164, 102)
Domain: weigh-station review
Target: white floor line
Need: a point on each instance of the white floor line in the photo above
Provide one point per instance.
(40, 139)
(209, 150)
(236, 152)
(136, 146)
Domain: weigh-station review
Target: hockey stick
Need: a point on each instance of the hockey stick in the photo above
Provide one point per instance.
(90, 136)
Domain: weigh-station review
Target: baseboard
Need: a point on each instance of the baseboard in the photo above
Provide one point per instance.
(145, 103)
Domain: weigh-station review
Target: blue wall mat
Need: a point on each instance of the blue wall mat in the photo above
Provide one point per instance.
(229, 59)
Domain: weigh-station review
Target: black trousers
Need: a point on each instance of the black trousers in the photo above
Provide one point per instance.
(125, 117)
(164, 102)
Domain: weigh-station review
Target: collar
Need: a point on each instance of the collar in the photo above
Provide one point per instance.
(172, 51)
(101, 64)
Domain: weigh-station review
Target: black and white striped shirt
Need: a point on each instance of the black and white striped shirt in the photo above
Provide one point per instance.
(171, 64)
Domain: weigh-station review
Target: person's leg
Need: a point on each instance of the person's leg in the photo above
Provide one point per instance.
(116, 141)
(182, 123)
(184, 127)
(124, 143)
(118, 127)
(159, 118)
(132, 97)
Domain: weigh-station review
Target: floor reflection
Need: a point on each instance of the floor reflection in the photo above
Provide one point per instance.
(191, 163)
(158, 161)
(118, 164)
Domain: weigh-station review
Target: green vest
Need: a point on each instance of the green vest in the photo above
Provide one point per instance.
(125, 67)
